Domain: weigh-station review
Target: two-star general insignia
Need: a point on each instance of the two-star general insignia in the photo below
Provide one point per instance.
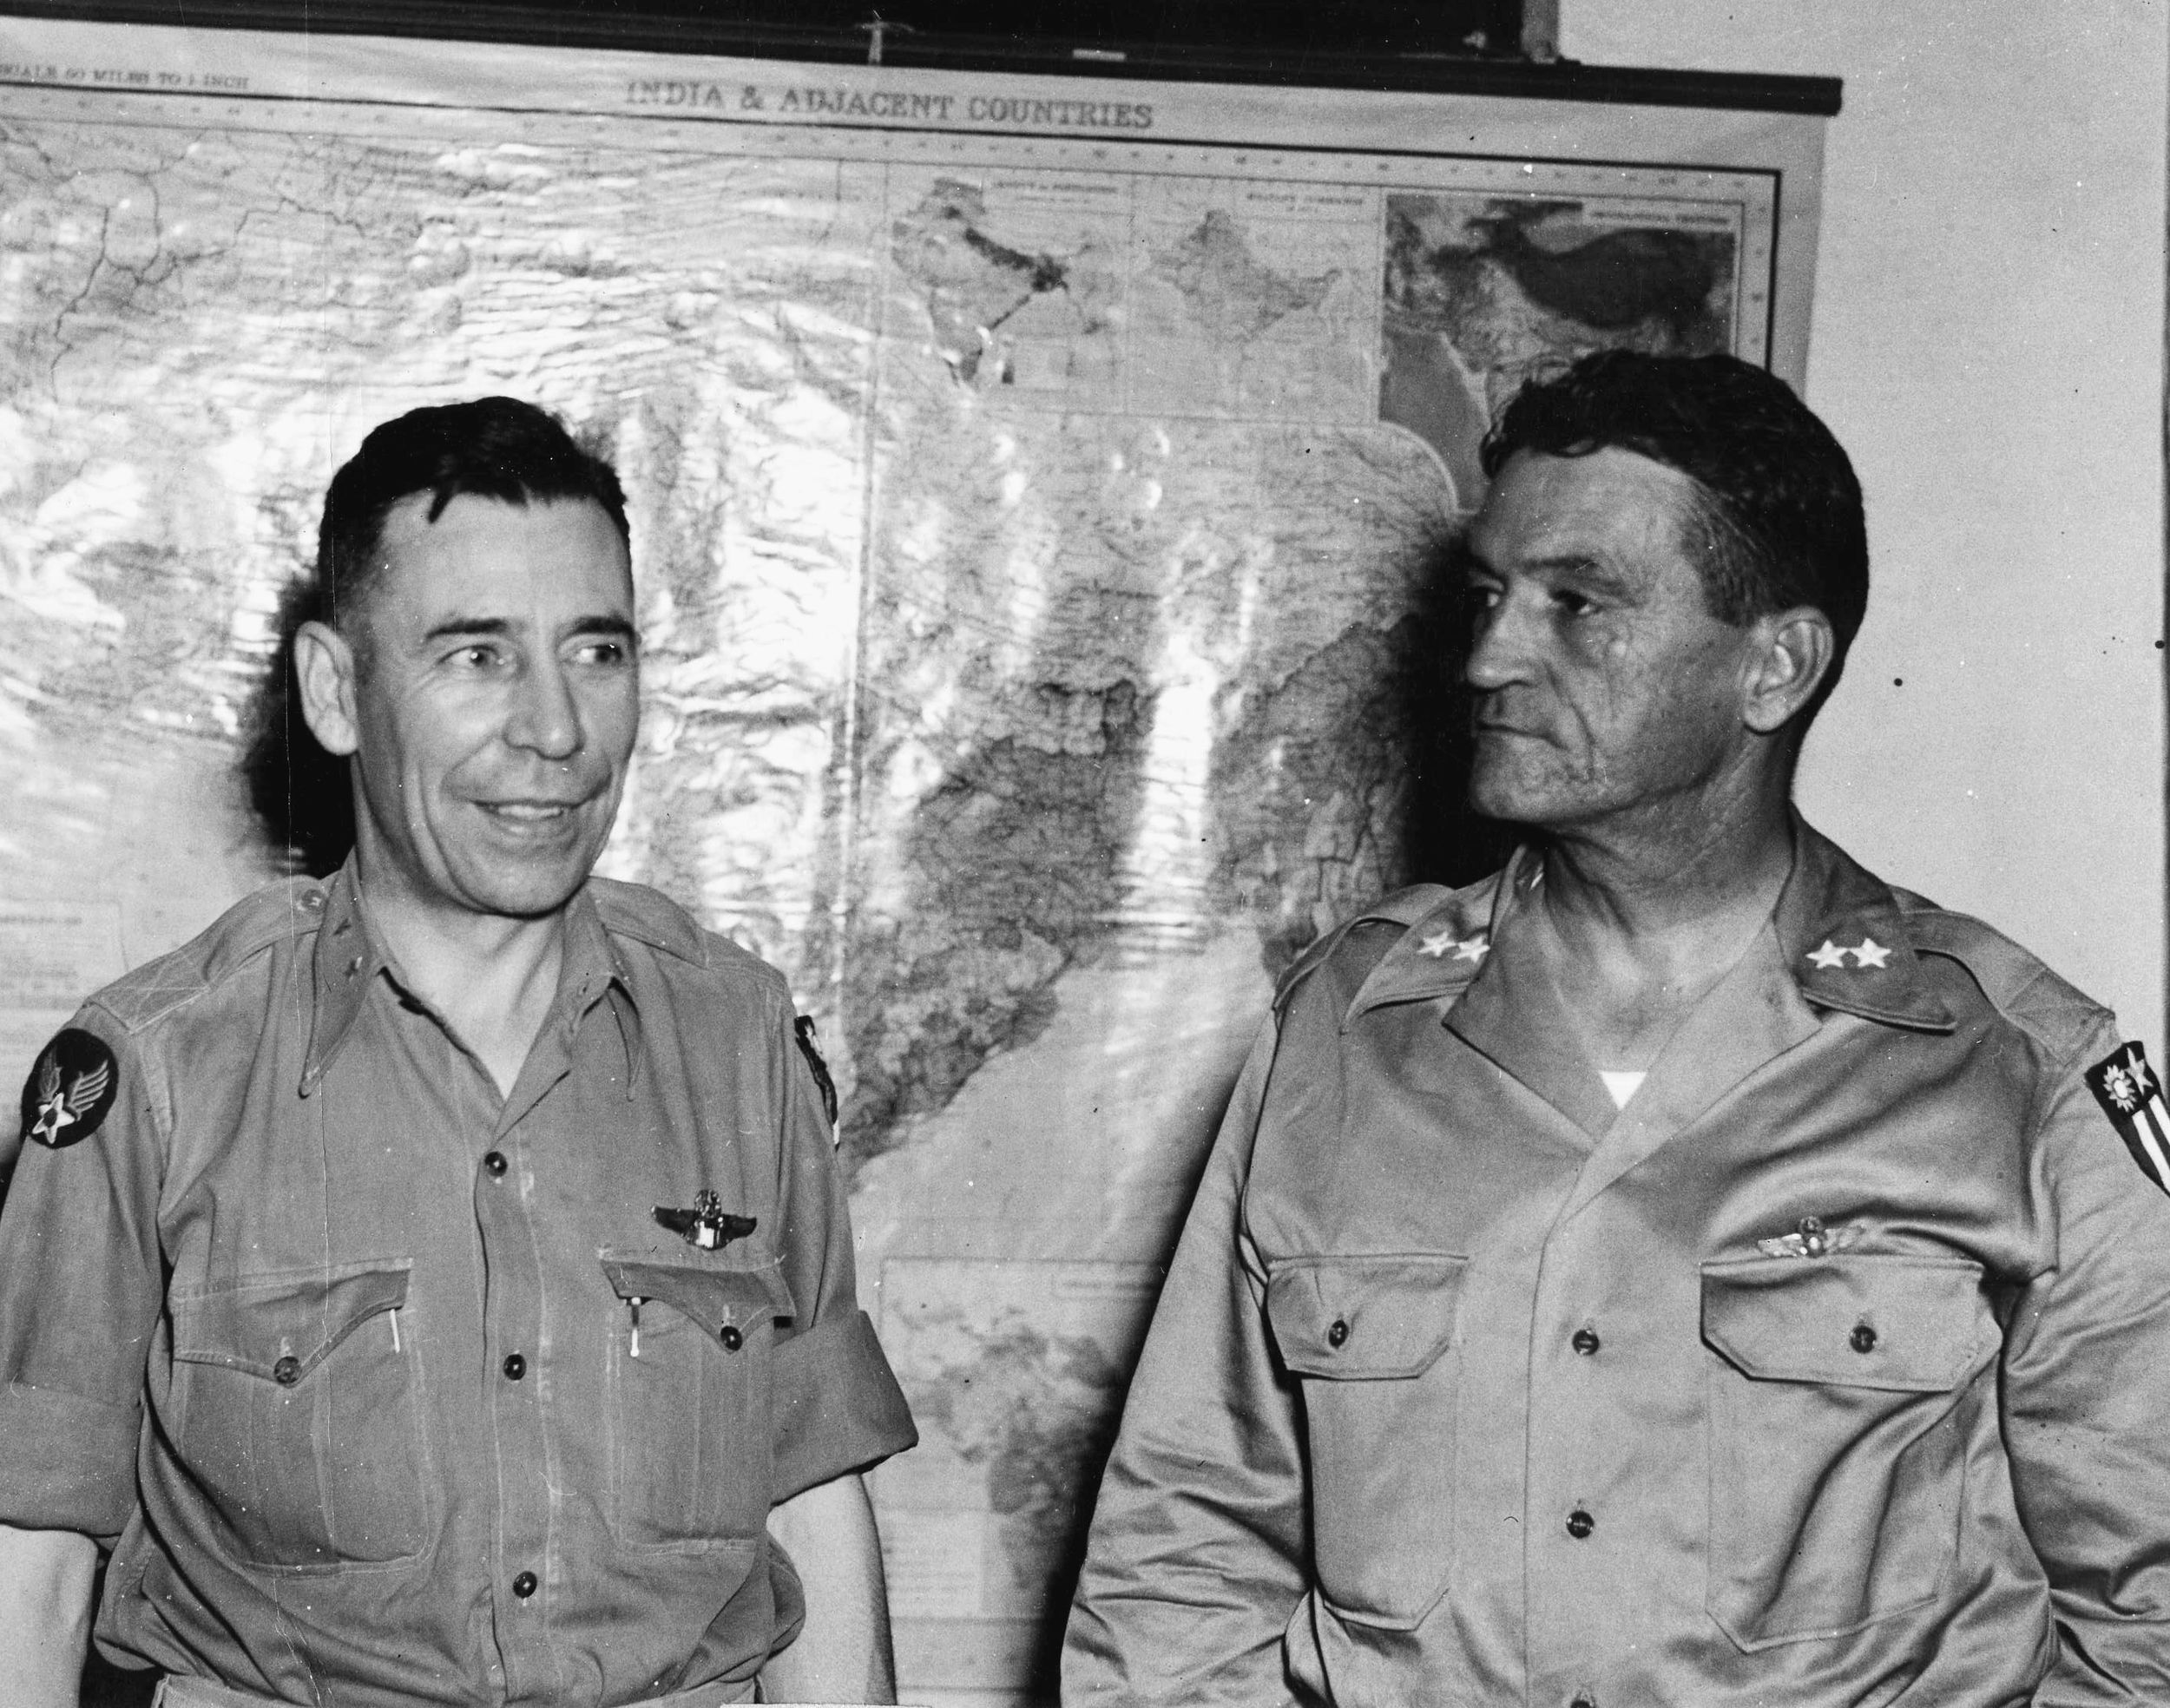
(1471, 949)
(69, 1090)
(1867, 953)
(2130, 1096)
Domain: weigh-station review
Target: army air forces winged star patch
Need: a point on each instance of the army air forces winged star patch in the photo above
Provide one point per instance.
(2130, 1096)
(69, 1090)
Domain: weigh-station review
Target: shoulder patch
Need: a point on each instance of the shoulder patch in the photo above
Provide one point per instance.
(70, 1089)
(2130, 1096)
(803, 1026)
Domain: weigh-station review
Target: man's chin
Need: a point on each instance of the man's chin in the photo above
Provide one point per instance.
(1502, 793)
(533, 889)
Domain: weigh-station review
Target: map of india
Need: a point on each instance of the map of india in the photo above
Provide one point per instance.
(1038, 545)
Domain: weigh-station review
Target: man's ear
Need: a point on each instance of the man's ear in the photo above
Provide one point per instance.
(325, 666)
(1789, 656)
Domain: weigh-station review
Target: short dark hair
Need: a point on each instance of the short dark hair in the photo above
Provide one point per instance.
(497, 448)
(1781, 522)
(494, 448)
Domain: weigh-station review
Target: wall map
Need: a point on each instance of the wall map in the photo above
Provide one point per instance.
(1032, 523)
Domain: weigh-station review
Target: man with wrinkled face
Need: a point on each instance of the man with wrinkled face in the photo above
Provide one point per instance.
(1681, 1267)
(433, 1285)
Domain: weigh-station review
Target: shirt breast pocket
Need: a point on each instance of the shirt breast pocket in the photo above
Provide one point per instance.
(1370, 1338)
(1839, 1419)
(689, 1388)
(298, 1409)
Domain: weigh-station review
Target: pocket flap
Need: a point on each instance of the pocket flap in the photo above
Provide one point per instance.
(1364, 1318)
(1906, 1324)
(257, 1324)
(714, 1297)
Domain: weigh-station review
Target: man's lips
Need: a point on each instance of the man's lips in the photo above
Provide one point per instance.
(530, 811)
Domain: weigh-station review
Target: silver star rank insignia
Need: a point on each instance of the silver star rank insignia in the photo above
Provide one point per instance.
(1471, 949)
(69, 1091)
(1829, 956)
(2130, 1096)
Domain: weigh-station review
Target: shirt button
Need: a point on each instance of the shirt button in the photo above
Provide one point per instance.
(1339, 1334)
(1586, 1342)
(1864, 1338)
(495, 1162)
(1584, 1699)
(515, 1366)
(287, 1372)
(1580, 1524)
(524, 1586)
(731, 1339)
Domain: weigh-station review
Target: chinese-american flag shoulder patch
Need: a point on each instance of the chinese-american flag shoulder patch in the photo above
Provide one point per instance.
(2130, 1096)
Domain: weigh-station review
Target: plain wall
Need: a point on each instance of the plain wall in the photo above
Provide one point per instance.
(1987, 343)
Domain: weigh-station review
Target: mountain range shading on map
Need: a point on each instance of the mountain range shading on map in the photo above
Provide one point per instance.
(1036, 554)
(1483, 291)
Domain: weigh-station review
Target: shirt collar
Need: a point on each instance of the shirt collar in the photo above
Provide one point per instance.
(349, 959)
(1444, 951)
(346, 961)
(597, 971)
(1839, 928)
(1845, 939)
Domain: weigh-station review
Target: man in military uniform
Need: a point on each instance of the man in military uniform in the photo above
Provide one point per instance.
(1681, 1268)
(433, 1284)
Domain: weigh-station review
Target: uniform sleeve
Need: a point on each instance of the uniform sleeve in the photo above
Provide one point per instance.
(80, 1292)
(1195, 1562)
(2087, 1404)
(837, 1406)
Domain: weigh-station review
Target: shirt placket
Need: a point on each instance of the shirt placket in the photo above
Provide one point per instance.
(527, 1556)
(1597, 1540)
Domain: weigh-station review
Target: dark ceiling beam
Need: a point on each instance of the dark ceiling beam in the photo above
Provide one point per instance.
(1320, 57)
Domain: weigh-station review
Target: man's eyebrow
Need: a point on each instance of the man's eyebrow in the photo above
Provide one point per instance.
(599, 623)
(1588, 571)
(452, 625)
(607, 623)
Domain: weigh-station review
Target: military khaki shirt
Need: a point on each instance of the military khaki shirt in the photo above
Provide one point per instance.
(1833, 1369)
(393, 1389)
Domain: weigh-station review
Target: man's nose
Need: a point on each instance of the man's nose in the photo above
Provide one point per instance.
(545, 717)
(1499, 646)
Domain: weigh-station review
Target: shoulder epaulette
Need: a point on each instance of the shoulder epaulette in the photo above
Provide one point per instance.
(649, 916)
(2014, 983)
(1398, 910)
(272, 915)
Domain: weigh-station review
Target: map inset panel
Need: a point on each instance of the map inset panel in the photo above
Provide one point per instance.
(1485, 291)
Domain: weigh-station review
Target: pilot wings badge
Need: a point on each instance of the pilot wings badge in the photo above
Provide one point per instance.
(69, 1091)
(708, 1227)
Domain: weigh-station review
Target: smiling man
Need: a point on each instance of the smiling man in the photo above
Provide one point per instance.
(1681, 1268)
(433, 1285)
